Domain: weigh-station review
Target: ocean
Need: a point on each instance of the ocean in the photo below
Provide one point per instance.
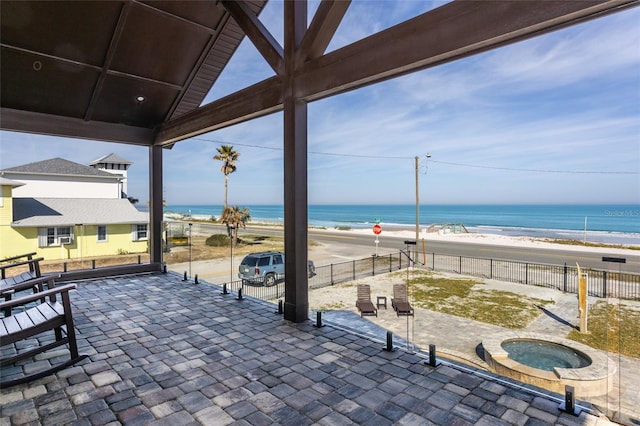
(617, 224)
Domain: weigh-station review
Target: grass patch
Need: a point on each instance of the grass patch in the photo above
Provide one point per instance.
(612, 328)
(589, 244)
(458, 297)
(331, 307)
(343, 228)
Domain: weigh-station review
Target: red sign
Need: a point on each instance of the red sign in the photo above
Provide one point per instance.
(377, 229)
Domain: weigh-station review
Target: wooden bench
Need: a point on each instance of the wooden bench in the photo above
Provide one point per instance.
(51, 315)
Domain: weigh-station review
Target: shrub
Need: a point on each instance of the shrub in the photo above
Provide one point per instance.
(218, 240)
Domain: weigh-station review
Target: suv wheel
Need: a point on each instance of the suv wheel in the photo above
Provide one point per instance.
(269, 280)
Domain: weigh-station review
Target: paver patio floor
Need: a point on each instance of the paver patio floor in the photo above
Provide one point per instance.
(165, 352)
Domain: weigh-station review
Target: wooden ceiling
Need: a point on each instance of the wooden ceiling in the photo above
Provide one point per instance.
(110, 69)
(137, 72)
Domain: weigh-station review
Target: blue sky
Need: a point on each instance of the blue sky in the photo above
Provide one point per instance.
(554, 119)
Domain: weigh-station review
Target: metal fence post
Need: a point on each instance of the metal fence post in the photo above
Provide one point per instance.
(354, 269)
(526, 273)
(604, 283)
(373, 266)
(565, 277)
(460, 265)
(490, 268)
(331, 273)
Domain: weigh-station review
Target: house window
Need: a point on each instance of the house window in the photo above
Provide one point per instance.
(139, 232)
(102, 233)
(61, 235)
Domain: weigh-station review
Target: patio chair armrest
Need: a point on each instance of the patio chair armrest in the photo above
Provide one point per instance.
(51, 292)
(20, 256)
(34, 282)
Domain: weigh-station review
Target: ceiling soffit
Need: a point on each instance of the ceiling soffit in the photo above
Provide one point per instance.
(80, 68)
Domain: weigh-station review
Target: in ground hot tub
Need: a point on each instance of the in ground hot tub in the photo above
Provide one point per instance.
(550, 362)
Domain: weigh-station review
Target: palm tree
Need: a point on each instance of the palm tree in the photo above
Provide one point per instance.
(228, 156)
(235, 217)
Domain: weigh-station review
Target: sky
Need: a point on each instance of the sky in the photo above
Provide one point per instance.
(551, 120)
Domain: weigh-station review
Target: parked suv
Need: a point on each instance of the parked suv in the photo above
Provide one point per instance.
(266, 268)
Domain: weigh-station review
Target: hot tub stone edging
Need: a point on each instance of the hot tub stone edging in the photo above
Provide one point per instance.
(593, 380)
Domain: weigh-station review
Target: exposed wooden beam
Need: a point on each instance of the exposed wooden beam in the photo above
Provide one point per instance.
(321, 30)
(452, 31)
(108, 60)
(261, 38)
(254, 101)
(46, 124)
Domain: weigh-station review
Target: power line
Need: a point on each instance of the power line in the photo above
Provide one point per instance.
(537, 170)
(381, 157)
(431, 160)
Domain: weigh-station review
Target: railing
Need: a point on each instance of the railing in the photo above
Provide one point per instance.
(561, 277)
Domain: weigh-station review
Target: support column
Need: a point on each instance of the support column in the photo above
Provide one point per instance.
(155, 204)
(296, 295)
(296, 298)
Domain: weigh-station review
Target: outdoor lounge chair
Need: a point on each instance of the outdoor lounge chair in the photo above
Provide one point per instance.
(400, 301)
(364, 303)
(27, 280)
(15, 262)
(52, 314)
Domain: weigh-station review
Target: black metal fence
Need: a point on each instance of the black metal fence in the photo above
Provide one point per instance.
(561, 277)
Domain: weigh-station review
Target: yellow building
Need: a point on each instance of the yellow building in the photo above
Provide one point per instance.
(59, 223)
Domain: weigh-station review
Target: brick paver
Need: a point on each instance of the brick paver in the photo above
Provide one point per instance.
(166, 352)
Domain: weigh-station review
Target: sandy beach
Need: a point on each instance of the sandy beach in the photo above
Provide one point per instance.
(490, 239)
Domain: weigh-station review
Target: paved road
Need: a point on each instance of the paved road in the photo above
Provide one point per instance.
(390, 244)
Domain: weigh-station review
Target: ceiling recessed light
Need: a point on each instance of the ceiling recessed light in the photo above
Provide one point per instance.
(139, 98)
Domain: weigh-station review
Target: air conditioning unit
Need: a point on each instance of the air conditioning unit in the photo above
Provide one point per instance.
(65, 240)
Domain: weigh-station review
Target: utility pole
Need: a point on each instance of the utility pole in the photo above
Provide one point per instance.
(417, 203)
(418, 196)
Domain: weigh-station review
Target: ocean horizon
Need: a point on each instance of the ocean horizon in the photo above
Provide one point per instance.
(606, 223)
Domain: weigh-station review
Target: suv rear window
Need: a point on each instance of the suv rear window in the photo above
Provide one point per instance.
(249, 260)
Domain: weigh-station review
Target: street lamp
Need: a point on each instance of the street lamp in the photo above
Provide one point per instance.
(418, 197)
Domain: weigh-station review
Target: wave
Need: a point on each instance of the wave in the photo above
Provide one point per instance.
(544, 221)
